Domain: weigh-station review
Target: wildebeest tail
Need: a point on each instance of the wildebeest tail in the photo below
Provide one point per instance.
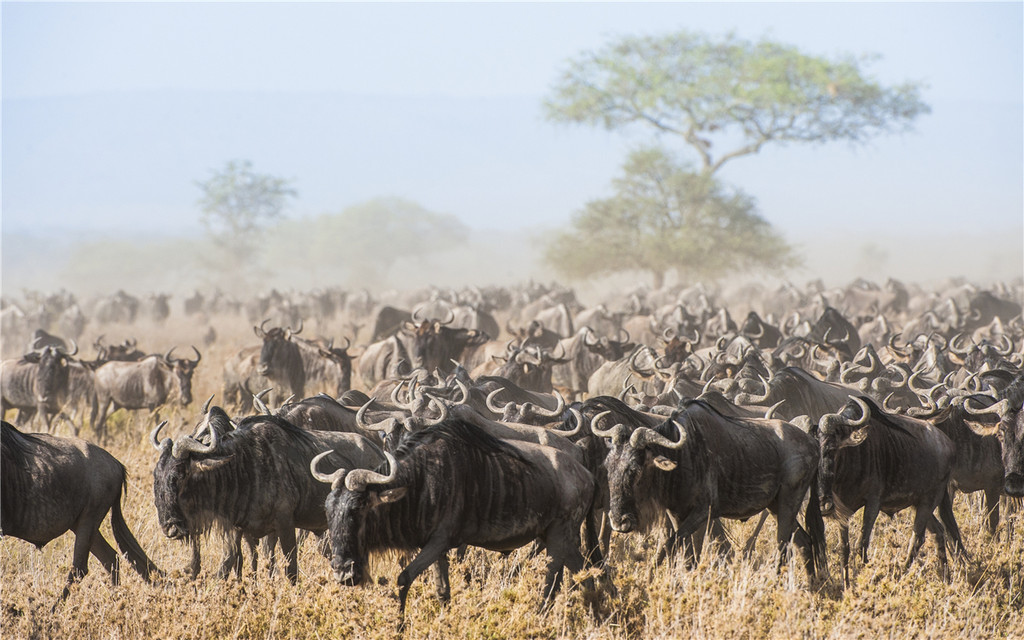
(126, 541)
(815, 526)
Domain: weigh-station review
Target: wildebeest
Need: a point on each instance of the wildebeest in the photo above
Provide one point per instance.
(37, 383)
(145, 384)
(291, 363)
(253, 480)
(50, 485)
(887, 463)
(453, 484)
(1010, 431)
(700, 464)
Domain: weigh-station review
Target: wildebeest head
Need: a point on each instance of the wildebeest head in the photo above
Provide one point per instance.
(632, 463)
(183, 368)
(51, 375)
(1009, 431)
(173, 468)
(353, 494)
(279, 354)
(836, 431)
(433, 345)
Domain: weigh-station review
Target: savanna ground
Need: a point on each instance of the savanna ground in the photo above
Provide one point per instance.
(496, 597)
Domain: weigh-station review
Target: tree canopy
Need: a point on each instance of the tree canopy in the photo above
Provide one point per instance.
(237, 204)
(665, 216)
(361, 243)
(728, 97)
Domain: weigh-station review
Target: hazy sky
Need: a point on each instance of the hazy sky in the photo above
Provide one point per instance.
(111, 112)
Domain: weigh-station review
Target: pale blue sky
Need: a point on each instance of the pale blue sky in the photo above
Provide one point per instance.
(112, 111)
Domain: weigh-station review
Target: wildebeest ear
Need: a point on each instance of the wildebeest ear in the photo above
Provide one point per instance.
(392, 495)
(664, 463)
(856, 438)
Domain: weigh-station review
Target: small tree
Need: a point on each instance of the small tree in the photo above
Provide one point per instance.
(237, 203)
(362, 243)
(666, 216)
(727, 98)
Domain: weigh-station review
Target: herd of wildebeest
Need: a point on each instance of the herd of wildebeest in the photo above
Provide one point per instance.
(502, 417)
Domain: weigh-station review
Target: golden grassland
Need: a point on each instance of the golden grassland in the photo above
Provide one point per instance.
(499, 597)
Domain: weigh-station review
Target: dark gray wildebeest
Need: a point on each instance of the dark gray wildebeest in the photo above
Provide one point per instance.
(1010, 432)
(145, 384)
(419, 343)
(700, 464)
(978, 465)
(291, 363)
(251, 481)
(453, 484)
(50, 485)
(36, 384)
(882, 462)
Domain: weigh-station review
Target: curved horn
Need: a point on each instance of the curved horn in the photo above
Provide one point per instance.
(490, 401)
(199, 356)
(154, 436)
(260, 331)
(187, 444)
(575, 431)
(557, 411)
(360, 479)
(442, 409)
(463, 389)
(258, 401)
(1000, 408)
(1003, 338)
(954, 345)
(752, 399)
(323, 477)
(450, 317)
(644, 437)
(416, 314)
(833, 419)
(206, 405)
(167, 356)
(396, 391)
(770, 413)
(617, 433)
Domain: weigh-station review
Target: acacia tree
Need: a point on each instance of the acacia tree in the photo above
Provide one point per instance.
(237, 204)
(665, 216)
(728, 98)
(722, 99)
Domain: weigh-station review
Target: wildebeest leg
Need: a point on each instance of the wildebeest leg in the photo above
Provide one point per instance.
(444, 590)
(24, 416)
(194, 566)
(564, 550)
(106, 555)
(922, 520)
(232, 556)
(84, 533)
(992, 509)
(435, 548)
(100, 424)
(594, 557)
(951, 528)
(286, 535)
(870, 515)
(748, 547)
(803, 540)
(269, 545)
(844, 544)
(940, 545)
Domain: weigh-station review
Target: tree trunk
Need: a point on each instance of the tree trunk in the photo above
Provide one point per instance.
(659, 278)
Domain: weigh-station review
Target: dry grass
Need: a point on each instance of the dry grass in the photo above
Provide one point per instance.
(496, 597)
